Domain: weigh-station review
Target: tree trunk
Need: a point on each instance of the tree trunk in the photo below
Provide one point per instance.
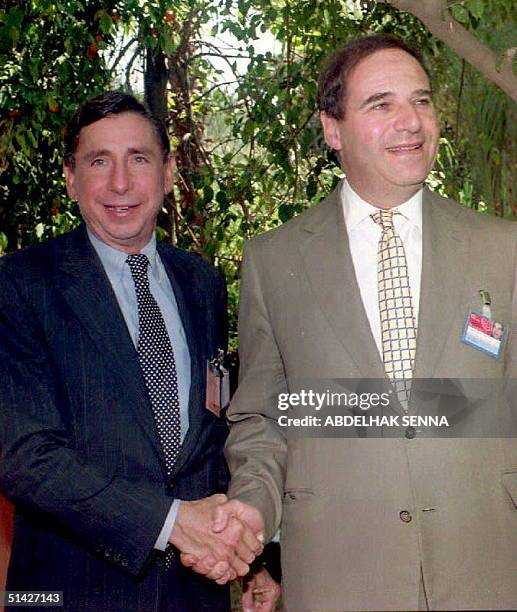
(155, 95)
(435, 16)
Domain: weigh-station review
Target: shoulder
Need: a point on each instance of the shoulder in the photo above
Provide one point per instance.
(324, 213)
(41, 261)
(188, 267)
(471, 219)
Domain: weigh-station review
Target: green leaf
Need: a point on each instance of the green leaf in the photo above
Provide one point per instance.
(248, 129)
(15, 35)
(105, 22)
(461, 14)
(476, 8)
(312, 188)
(15, 17)
(20, 139)
(208, 194)
(167, 43)
(222, 199)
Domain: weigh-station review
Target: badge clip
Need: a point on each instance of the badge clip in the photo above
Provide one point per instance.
(217, 384)
(486, 303)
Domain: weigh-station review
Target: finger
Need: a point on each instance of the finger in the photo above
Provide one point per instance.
(244, 552)
(220, 569)
(204, 565)
(228, 577)
(241, 568)
(253, 541)
(188, 559)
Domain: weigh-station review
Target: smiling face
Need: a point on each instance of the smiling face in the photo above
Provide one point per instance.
(119, 179)
(388, 137)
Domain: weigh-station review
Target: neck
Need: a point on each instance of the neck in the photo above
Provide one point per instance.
(387, 199)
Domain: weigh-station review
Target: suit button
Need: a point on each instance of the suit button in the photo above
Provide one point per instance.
(405, 516)
(410, 433)
(124, 562)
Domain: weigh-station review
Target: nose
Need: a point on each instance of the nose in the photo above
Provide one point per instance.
(408, 119)
(120, 178)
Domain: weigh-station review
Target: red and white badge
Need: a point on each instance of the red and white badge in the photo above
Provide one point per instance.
(484, 334)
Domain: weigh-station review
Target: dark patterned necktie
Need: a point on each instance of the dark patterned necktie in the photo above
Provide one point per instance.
(157, 362)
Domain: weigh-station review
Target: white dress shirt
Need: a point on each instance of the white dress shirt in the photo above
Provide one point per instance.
(363, 237)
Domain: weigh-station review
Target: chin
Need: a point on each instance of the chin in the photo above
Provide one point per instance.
(411, 181)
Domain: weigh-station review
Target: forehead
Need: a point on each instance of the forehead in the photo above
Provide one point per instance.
(122, 131)
(387, 70)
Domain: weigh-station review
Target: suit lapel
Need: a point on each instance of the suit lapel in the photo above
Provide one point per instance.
(444, 262)
(328, 263)
(88, 292)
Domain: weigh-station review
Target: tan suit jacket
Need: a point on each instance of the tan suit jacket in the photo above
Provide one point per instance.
(338, 501)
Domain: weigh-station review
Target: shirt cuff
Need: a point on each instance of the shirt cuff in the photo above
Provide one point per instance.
(165, 533)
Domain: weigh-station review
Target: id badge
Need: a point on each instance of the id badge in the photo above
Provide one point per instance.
(483, 334)
(217, 385)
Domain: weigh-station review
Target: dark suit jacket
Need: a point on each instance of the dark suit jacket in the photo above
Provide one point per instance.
(79, 454)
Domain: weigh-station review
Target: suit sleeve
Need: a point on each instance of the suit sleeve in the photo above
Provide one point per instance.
(256, 449)
(42, 472)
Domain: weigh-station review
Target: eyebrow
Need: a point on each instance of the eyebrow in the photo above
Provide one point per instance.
(375, 98)
(95, 153)
(91, 155)
(142, 150)
(385, 94)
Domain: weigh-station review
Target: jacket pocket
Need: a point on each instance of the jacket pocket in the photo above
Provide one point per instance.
(297, 494)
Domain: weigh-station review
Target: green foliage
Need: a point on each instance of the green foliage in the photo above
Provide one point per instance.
(478, 163)
(250, 148)
(51, 60)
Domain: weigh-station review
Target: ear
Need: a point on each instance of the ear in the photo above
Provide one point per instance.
(331, 131)
(70, 180)
(170, 169)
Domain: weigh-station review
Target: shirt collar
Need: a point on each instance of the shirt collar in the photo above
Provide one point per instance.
(356, 210)
(114, 261)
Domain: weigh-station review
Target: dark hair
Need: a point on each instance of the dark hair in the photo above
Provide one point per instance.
(332, 82)
(105, 105)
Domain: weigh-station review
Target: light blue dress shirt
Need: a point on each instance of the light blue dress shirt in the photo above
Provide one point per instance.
(119, 275)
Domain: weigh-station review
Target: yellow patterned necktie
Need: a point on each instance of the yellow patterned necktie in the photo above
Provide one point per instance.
(398, 325)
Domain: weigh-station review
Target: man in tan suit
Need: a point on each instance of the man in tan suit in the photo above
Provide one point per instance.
(411, 521)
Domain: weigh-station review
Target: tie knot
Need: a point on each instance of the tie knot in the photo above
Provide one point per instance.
(138, 265)
(384, 218)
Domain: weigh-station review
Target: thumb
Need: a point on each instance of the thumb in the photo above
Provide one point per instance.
(220, 516)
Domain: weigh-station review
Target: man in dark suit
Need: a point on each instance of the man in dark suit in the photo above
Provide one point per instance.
(104, 342)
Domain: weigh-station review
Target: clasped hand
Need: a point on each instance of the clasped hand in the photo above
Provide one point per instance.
(217, 537)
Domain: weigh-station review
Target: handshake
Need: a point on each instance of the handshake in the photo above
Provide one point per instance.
(217, 537)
